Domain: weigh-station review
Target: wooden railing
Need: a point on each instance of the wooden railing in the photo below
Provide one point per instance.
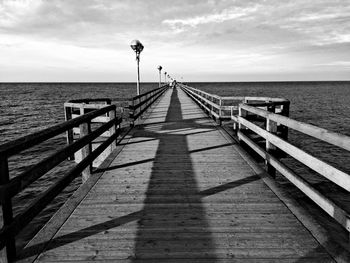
(268, 118)
(275, 141)
(222, 108)
(11, 187)
(79, 107)
(81, 118)
(139, 104)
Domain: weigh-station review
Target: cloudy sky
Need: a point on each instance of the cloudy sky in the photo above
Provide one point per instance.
(228, 40)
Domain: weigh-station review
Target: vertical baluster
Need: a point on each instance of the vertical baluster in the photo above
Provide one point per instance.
(112, 130)
(285, 112)
(242, 113)
(85, 129)
(8, 253)
(220, 111)
(69, 133)
(271, 127)
(131, 112)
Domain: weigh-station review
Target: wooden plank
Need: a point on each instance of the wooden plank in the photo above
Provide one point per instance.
(320, 232)
(326, 204)
(47, 196)
(176, 192)
(39, 242)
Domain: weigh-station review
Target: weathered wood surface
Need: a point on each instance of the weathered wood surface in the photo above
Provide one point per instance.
(179, 192)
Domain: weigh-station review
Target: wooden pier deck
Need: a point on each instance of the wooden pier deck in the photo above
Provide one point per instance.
(179, 191)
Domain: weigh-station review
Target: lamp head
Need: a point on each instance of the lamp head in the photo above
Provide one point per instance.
(159, 68)
(136, 45)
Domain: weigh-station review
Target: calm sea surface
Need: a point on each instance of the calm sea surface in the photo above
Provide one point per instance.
(30, 107)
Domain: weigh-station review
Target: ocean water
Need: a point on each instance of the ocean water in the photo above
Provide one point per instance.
(324, 104)
(29, 107)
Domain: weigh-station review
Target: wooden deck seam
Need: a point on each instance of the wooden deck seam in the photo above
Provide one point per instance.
(145, 210)
(68, 208)
(318, 232)
(65, 212)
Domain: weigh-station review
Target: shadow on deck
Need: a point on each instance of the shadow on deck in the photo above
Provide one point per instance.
(173, 223)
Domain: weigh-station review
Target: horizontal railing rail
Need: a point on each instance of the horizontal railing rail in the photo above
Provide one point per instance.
(11, 187)
(223, 107)
(274, 141)
(268, 118)
(139, 104)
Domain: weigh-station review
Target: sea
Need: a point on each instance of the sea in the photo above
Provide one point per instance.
(29, 107)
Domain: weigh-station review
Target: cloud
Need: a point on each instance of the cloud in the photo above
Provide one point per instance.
(226, 35)
(227, 14)
(344, 64)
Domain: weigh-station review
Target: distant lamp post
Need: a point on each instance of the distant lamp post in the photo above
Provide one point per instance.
(160, 75)
(165, 77)
(137, 46)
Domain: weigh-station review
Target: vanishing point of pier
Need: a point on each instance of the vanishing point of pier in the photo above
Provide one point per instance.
(175, 188)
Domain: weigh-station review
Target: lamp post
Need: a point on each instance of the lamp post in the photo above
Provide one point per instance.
(165, 77)
(160, 78)
(137, 46)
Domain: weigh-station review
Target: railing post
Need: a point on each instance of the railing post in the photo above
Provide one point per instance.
(148, 102)
(69, 133)
(242, 113)
(85, 129)
(8, 253)
(220, 111)
(234, 126)
(132, 112)
(271, 127)
(139, 100)
(285, 112)
(112, 130)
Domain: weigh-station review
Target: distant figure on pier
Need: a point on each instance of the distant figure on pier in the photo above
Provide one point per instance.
(173, 84)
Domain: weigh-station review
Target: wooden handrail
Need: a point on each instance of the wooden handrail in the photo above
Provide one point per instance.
(105, 100)
(340, 178)
(151, 96)
(334, 138)
(21, 220)
(21, 181)
(326, 170)
(25, 142)
(148, 92)
(139, 104)
(10, 187)
(339, 214)
(275, 133)
(216, 105)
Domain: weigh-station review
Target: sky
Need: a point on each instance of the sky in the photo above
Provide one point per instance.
(198, 40)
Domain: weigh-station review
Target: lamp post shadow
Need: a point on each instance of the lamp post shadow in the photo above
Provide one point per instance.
(173, 225)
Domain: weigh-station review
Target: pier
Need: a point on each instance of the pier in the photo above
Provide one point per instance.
(177, 187)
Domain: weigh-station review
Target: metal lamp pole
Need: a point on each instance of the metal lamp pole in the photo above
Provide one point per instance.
(165, 78)
(160, 78)
(137, 46)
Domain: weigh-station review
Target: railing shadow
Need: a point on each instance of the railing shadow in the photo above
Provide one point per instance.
(172, 224)
(119, 221)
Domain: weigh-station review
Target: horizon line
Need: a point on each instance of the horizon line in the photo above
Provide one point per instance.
(154, 82)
